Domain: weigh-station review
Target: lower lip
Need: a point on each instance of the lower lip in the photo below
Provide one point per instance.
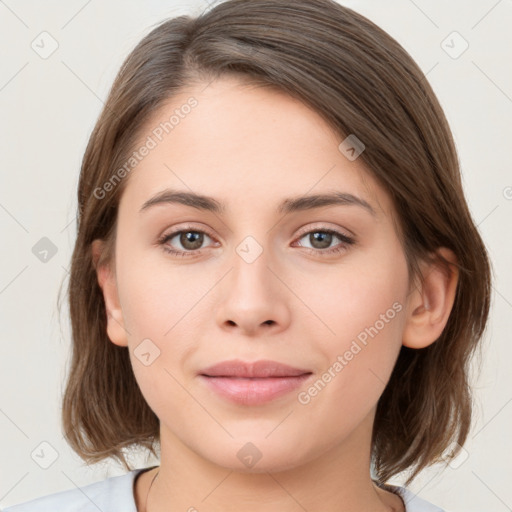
(254, 391)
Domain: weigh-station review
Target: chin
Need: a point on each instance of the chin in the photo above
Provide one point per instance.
(256, 456)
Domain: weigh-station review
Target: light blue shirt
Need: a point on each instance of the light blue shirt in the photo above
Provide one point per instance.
(116, 494)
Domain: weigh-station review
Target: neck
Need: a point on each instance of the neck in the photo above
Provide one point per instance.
(337, 480)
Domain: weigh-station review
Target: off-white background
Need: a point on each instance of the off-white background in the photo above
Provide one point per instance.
(48, 108)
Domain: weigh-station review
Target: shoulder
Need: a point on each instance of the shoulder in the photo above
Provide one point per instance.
(114, 494)
(414, 503)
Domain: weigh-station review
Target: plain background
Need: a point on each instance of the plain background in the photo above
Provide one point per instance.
(48, 108)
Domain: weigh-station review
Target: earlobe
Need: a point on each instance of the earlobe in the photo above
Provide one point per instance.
(430, 304)
(107, 281)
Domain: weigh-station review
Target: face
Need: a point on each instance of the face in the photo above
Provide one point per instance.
(267, 275)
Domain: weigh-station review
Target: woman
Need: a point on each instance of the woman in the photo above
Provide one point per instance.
(276, 284)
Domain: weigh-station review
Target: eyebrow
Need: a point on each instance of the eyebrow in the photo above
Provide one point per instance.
(293, 204)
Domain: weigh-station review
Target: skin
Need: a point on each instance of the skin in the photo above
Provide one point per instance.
(251, 147)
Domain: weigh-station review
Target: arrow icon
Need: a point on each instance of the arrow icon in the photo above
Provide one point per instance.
(454, 45)
(44, 455)
(351, 147)
(147, 352)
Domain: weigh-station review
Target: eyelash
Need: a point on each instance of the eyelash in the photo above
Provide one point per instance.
(346, 241)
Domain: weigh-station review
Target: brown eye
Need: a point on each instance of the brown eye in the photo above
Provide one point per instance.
(185, 242)
(191, 240)
(320, 241)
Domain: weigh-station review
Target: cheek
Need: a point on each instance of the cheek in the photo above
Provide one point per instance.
(158, 306)
(360, 299)
(158, 297)
(362, 311)
(358, 362)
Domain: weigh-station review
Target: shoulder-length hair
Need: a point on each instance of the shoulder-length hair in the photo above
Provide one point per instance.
(361, 81)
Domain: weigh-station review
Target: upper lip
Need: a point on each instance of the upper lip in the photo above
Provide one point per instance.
(255, 369)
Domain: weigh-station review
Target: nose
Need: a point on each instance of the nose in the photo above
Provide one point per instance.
(253, 298)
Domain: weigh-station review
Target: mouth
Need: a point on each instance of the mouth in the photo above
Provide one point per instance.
(253, 383)
(256, 369)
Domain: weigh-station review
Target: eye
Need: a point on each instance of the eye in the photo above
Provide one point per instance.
(321, 239)
(190, 239)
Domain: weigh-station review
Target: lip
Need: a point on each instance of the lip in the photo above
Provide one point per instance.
(255, 369)
(253, 383)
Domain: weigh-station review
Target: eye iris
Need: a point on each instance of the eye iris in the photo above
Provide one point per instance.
(323, 237)
(193, 237)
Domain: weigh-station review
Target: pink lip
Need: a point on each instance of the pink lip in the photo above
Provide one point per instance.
(253, 383)
(255, 369)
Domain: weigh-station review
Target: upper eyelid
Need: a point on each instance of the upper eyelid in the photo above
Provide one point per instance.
(325, 227)
(302, 232)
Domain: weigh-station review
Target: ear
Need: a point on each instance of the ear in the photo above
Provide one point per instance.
(430, 303)
(107, 280)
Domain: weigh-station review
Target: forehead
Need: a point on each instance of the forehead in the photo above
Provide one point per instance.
(244, 144)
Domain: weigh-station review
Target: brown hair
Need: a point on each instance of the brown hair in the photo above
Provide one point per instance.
(361, 81)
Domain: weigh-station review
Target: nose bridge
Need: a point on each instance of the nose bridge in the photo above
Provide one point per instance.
(251, 261)
(251, 297)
